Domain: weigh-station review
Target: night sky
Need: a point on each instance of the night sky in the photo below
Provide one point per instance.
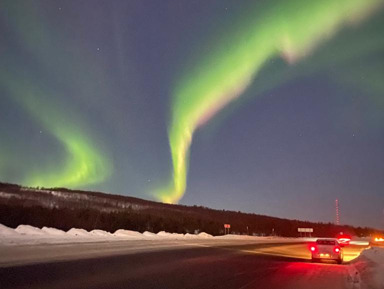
(272, 107)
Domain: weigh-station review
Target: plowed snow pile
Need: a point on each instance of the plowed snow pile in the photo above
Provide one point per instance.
(376, 255)
(29, 230)
(25, 234)
(7, 232)
(53, 231)
(128, 234)
(78, 233)
(101, 233)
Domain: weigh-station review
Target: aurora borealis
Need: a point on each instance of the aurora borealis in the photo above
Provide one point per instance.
(226, 73)
(83, 164)
(283, 101)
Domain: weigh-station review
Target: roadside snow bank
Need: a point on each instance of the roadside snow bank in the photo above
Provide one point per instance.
(376, 255)
(150, 235)
(205, 235)
(101, 233)
(127, 234)
(190, 236)
(7, 232)
(53, 231)
(79, 232)
(27, 235)
(29, 230)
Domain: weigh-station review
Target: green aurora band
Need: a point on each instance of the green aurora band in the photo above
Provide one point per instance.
(291, 29)
(84, 163)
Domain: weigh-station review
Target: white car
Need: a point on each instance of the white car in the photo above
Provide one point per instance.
(327, 249)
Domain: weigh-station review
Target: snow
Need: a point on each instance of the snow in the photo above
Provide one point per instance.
(29, 230)
(127, 234)
(53, 231)
(376, 256)
(190, 236)
(25, 235)
(6, 232)
(79, 232)
(204, 235)
(101, 233)
(164, 234)
(149, 235)
(8, 195)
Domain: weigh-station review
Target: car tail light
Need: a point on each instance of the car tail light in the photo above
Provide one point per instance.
(312, 248)
(337, 250)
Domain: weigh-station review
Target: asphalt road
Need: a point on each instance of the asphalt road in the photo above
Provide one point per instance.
(197, 265)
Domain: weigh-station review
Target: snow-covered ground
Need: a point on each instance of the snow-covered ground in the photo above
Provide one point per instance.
(29, 245)
(376, 256)
(25, 234)
(28, 235)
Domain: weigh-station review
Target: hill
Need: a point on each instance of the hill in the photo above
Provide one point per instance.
(64, 209)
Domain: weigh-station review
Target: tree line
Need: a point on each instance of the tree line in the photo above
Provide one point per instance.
(110, 213)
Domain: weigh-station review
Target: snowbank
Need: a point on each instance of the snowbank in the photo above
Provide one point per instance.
(7, 232)
(127, 234)
(190, 236)
(149, 235)
(25, 234)
(29, 230)
(101, 233)
(205, 235)
(53, 231)
(376, 255)
(163, 234)
(79, 232)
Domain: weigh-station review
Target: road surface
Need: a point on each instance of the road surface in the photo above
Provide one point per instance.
(192, 264)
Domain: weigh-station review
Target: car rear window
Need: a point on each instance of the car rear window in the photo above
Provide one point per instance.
(325, 242)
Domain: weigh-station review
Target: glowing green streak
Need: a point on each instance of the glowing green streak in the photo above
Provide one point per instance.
(291, 29)
(84, 163)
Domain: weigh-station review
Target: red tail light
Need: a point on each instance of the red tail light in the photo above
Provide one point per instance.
(312, 248)
(337, 250)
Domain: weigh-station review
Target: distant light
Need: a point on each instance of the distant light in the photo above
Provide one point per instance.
(313, 249)
(337, 250)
